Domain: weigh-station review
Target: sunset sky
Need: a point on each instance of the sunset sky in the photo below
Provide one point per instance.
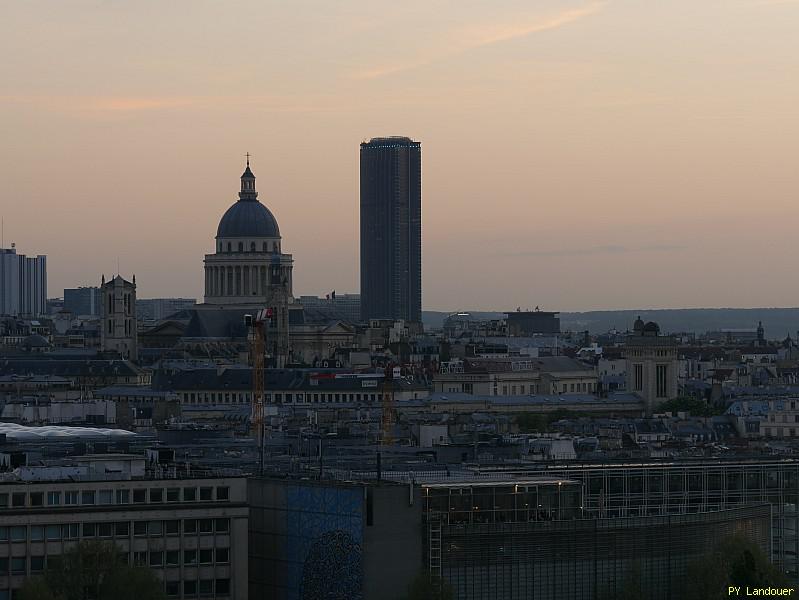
(576, 155)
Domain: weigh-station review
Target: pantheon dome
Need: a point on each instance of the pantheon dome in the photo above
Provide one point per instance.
(248, 218)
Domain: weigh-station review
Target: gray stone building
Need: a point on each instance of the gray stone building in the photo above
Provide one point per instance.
(651, 364)
(118, 330)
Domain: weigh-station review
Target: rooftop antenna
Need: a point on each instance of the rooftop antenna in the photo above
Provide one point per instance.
(248, 159)
(117, 265)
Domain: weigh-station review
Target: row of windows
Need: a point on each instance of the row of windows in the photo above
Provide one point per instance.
(109, 496)
(779, 432)
(785, 418)
(55, 532)
(240, 247)
(191, 588)
(18, 565)
(191, 558)
(277, 397)
(581, 386)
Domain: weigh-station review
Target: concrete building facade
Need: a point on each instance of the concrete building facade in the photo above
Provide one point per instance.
(192, 531)
(362, 542)
(652, 364)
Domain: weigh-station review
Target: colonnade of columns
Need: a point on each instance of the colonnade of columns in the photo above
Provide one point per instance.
(235, 280)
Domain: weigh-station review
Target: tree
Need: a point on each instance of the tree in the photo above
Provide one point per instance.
(430, 587)
(92, 571)
(693, 406)
(531, 423)
(735, 561)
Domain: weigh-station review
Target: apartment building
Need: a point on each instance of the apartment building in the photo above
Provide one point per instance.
(189, 527)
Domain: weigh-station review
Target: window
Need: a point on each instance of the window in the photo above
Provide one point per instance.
(53, 498)
(71, 531)
(206, 556)
(3, 567)
(37, 533)
(18, 499)
(37, 563)
(53, 532)
(140, 559)
(88, 530)
(105, 530)
(222, 525)
(122, 529)
(156, 495)
(223, 587)
(37, 498)
(19, 533)
(189, 588)
(87, 497)
(189, 494)
(139, 496)
(173, 589)
(123, 496)
(206, 587)
(173, 495)
(172, 527)
(222, 493)
(3, 500)
(189, 557)
(18, 565)
(222, 555)
(205, 493)
(661, 372)
(156, 559)
(172, 558)
(156, 528)
(140, 528)
(638, 379)
(106, 497)
(71, 497)
(190, 526)
(3, 534)
(206, 526)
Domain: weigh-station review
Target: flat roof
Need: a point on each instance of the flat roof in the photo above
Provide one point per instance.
(533, 481)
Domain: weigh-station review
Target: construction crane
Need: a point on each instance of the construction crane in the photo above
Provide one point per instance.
(388, 406)
(257, 325)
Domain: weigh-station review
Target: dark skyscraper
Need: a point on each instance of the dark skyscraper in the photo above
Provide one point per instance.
(391, 229)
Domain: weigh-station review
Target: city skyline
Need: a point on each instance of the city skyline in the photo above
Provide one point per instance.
(570, 150)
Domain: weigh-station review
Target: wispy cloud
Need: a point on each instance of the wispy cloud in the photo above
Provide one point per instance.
(123, 106)
(596, 250)
(463, 40)
(774, 2)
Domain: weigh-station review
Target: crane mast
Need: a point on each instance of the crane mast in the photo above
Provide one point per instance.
(388, 406)
(257, 323)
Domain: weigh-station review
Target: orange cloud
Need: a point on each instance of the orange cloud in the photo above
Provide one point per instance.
(463, 41)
